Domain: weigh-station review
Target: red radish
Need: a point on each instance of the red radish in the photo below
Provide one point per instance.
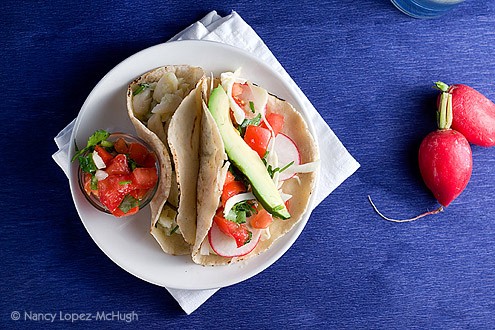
(445, 161)
(287, 152)
(473, 114)
(225, 246)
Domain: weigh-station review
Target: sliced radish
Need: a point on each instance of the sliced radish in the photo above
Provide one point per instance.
(225, 246)
(287, 152)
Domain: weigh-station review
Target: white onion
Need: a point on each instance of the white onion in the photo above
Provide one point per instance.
(237, 199)
(100, 164)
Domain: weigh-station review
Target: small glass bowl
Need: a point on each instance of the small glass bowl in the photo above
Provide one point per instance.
(95, 201)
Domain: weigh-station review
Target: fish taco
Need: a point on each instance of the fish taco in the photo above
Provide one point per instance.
(165, 108)
(257, 171)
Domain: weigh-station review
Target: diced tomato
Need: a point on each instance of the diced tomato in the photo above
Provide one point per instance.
(87, 185)
(275, 120)
(231, 189)
(121, 146)
(119, 213)
(105, 155)
(138, 153)
(150, 160)
(261, 220)
(257, 138)
(118, 165)
(287, 204)
(113, 189)
(229, 178)
(144, 178)
(239, 232)
(139, 193)
(237, 89)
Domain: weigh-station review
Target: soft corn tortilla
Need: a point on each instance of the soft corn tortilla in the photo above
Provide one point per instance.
(212, 176)
(154, 130)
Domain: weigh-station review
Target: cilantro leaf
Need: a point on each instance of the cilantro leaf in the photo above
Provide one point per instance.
(140, 89)
(128, 203)
(240, 212)
(97, 137)
(256, 121)
(87, 164)
(251, 106)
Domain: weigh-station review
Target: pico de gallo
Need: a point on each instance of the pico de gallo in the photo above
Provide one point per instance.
(117, 171)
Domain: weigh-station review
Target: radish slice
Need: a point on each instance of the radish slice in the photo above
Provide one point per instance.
(287, 152)
(225, 246)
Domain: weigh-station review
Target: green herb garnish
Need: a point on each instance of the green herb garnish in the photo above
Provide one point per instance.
(97, 137)
(174, 229)
(251, 106)
(256, 121)
(123, 183)
(87, 164)
(272, 171)
(140, 89)
(128, 203)
(240, 212)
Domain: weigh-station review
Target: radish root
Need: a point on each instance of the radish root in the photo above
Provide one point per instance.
(440, 209)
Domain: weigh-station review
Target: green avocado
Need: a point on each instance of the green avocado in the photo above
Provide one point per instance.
(244, 158)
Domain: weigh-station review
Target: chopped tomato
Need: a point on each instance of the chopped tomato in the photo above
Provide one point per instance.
(87, 185)
(105, 155)
(144, 178)
(113, 189)
(275, 120)
(138, 193)
(257, 138)
(150, 160)
(118, 165)
(261, 220)
(229, 178)
(231, 189)
(287, 204)
(239, 232)
(119, 213)
(237, 89)
(138, 153)
(121, 146)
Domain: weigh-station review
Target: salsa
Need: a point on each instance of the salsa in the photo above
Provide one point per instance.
(117, 172)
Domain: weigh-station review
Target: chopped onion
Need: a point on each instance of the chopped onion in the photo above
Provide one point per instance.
(302, 168)
(100, 164)
(237, 199)
(227, 80)
(101, 175)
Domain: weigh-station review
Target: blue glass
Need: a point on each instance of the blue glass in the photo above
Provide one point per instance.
(425, 8)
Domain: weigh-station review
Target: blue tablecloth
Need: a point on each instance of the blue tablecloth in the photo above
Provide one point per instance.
(365, 66)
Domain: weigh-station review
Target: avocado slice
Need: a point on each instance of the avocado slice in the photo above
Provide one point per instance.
(245, 158)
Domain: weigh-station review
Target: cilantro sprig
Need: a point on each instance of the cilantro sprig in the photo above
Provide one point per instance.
(98, 137)
(240, 212)
(128, 203)
(256, 121)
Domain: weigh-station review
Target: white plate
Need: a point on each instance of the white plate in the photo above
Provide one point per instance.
(127, 241)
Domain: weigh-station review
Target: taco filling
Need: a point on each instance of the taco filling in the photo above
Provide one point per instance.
(260, 176)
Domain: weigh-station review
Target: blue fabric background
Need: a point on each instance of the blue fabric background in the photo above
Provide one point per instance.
(365, 66)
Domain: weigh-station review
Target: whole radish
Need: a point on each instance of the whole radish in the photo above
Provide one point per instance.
(473, 114)
(445, 160)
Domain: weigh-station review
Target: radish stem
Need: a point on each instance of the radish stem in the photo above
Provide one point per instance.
(445, 111)
(440, 209)
(441, 86)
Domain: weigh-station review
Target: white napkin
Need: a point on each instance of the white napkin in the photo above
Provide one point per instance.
(336, 162)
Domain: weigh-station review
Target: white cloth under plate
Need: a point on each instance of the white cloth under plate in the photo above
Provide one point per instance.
(336, 163)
